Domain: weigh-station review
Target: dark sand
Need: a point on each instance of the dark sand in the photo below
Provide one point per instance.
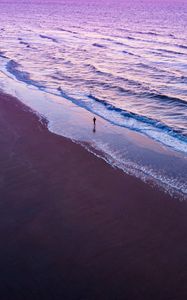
(72, 227)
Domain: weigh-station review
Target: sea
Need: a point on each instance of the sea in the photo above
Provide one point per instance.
(124, 62)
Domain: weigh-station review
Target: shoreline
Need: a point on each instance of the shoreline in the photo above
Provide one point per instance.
(73, 227)
(134, 153)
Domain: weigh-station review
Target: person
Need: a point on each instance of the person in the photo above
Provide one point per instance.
(94, 121)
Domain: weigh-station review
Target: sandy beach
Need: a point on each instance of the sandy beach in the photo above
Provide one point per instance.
(72, 227)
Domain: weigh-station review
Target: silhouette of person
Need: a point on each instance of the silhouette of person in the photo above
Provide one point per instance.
(94, 121)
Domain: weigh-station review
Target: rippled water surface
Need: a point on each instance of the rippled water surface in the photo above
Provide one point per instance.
(125, 62)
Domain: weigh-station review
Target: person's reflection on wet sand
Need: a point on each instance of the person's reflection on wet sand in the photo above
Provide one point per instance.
(94, 127)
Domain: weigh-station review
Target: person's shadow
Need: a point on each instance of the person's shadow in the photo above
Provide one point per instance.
(94, 128)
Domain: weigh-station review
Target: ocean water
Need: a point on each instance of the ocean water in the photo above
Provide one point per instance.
(123, 61)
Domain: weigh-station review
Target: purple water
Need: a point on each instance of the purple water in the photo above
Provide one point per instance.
(124, 62)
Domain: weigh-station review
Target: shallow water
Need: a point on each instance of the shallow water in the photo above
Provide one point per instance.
(125, 63)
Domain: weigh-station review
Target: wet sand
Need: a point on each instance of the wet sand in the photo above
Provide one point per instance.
(72, 227)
